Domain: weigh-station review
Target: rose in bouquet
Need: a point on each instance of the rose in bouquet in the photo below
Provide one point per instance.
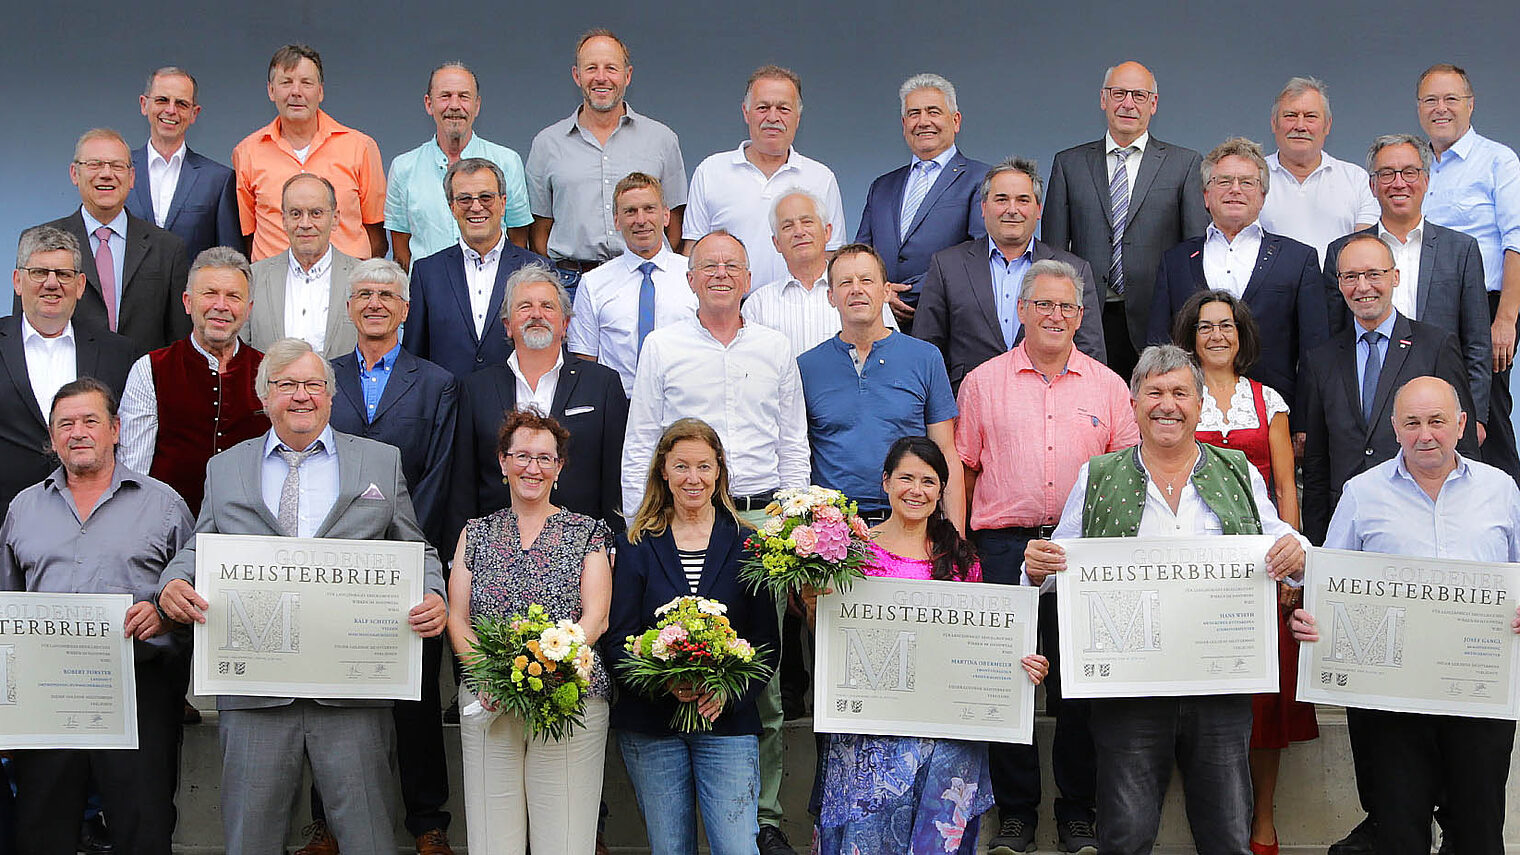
(535, 668)
(811, 536)
(692, 643)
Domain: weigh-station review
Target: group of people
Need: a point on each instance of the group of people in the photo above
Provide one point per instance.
(585, 377)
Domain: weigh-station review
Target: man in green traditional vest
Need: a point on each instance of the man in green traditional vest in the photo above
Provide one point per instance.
(1170, 485)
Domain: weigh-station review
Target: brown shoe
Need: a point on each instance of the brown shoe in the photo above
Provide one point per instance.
(601, 848)
(434, 842)
(320, 841)
(191, 714)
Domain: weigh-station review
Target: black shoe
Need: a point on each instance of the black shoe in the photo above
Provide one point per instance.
(1078, 836)
(94, 837)
(1358, 842)
(770, 841)
(1447, 847)
(1015, 837)
(451, 715)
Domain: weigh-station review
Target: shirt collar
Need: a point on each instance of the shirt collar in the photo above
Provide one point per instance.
(471, 148)
(792, 280)
(512, 363)
(329, 447)
(212, 361)
(1140, 143)
(1416, 234)
(1252, 230)
(1274, 164)
(663, 260)
(317, 270)
(491, 255)
(58, 479)
(1386, 327)
(575, 118)
(386, 362)
(739, 159)
(176, 158)
(118, 224)
(943, 159)
(994, 252)
(1400, 470)
(1464, 145)
(29, 333)
(1019, 357)
(326, 127)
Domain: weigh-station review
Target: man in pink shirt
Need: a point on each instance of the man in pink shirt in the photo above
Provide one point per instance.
(302, 138)
(1029, 419)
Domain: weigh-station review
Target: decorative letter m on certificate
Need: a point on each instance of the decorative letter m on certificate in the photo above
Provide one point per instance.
(1135, 609)
(879, 659)
(263, 621)
(1366, 635)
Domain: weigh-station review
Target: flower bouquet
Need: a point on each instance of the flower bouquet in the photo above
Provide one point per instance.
(811, 536)
(534, 668)
(692, 643)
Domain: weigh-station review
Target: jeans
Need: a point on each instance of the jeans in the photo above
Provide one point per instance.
(673, 776)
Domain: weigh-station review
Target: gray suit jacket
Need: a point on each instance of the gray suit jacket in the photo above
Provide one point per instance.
(234, 504)
(266, 322)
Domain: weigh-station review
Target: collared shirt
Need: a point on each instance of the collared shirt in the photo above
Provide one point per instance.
(1007, 281)
(1026, 434)
(1363, 350)
(319, 481)
(480, 279)
(118, 243)
(50, 362)
(1331, 202)
(414, 200)
(729, 192)
(307, 295)
(139, 409)
(856, 408)
(1228, 263)
(932, 169)
(804, 315)
(571, 177)
(540, 397)
(1406, 257)
(748, 391)
(373, 379)
(1475, 189)
(1131, 165)
(264, 161)
(605, 323)
(163, 180)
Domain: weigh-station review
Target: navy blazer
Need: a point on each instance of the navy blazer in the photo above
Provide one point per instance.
(203, 211)
(440, 326)
(1286, 295)
(416, 415)
(950, 214)
(648, 576)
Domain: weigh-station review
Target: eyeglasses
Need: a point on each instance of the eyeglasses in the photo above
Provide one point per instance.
(1374, 276)
(523, 458)
(1119, 94)
(364, 295)
(1429, 102)
(711, 268)
(466, 201)
(1386, 174)
(289, 387)
(1208, 327)
(1049, 307)
(1225, 182)
(39, 275)
(104, 165)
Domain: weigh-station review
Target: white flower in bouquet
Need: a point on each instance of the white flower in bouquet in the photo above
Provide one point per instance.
(711, 607)
(555, 643)
(577, 635)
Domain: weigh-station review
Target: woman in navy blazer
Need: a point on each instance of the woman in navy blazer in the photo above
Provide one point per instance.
(687, 513)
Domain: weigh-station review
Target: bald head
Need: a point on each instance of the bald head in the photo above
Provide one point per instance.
(1426, 390)
(1128, 99)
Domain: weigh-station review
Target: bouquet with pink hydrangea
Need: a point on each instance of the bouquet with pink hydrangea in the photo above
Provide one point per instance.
(811, 536)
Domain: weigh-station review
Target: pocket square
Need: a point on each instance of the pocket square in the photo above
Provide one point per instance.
(372, 493)
(575, 411)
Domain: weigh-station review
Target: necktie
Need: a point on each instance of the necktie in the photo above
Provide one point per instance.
(918, 187)
(1118, 196)
(105, 268)
(1370, 372)
(646, 301)
(289, 518)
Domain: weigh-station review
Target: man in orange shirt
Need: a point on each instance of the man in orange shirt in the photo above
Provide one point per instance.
(302, 138)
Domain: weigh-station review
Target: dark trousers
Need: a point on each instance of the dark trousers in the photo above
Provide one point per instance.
(419, 752)
(1499, 449)
(136, 786)
(1015, 769)
(1122, 355)
(7, 812)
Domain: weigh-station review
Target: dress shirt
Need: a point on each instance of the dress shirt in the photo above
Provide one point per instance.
(373, 380)
(804, 315)
(748, 391)
(1026, 435)
(1007, 282)
(935, 167)
(414, 200)
(605, 323)
(571, 177)
(163, 180)
(480, 280)
(1363, 350)
(319, 481)
(139, 409)
(1475, 189)
(729, 192)
(1331, 202)
(1406, 257)
(307, 295)
(118, 226)
(541, 397)
(1131, 166)
(1228, 263)
(50, 362)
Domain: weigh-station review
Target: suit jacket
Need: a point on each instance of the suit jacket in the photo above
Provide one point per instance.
(1165, 208)
(648, 576)
(416, 415)
(1286, 296)
(1452, 295)
(234, 504)
(266, 318)
(951, 213)
(25, 455)
(588, 401)
(203, 211)
(957, 312)
(153, 273)
(441, 326)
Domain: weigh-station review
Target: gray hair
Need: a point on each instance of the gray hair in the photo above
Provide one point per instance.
(1055, 268)
(470, 166)
(100, 134)
(1014, 163)
(926, 81)
(1109, 72)
(452, 64)
(1161, 359)
(84, 386)
(46, 239)
(534, 271)
(1421, 147)
(221, 258)
(819, 209)
(1236, 147)
(279, 355)
(1297, 86)
(380, 271)
(172, 71)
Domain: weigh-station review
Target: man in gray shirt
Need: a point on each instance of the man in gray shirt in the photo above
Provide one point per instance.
(95, 526)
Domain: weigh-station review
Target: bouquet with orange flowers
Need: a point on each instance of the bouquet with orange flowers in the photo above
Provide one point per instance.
(534, 667)
(694, 643)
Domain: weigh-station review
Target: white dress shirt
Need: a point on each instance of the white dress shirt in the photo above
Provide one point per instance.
(307, 294)
(1330, 203)
(749, 391)
(605, 323)
(1228, 263)
(163, 180)
(1131, 165)
(542, 397)
(480, 278)
(139, 409)
(118, 243)
(50, 362)
(1406, 256)
(319, 482)
(804, 315)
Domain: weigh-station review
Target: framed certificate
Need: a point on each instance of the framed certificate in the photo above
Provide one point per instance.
(1418, 635)
(307, 617)
(897, 657)
(1143, 617)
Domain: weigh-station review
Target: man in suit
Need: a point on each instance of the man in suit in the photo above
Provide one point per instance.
(941, 211)
(1151, 185)
(41, 349)
(968, 307)
(300, 292)
(187, 193)
(334, 485)
(1278, 277)
(456, 292)
(134, 270)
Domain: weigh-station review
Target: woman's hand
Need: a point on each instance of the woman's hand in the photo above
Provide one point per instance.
(1037, 667)
(709, 704)
(809, 596)
(1305, 627)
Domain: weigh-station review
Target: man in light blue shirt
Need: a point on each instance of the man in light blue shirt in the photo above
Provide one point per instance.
(416, 213)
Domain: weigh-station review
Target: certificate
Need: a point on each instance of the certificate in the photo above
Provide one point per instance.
(66, 672)
(1418, 635)
(897, 657)
(1141, 617)
(307, 617)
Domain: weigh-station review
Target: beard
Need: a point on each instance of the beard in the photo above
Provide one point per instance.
(537, 338)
